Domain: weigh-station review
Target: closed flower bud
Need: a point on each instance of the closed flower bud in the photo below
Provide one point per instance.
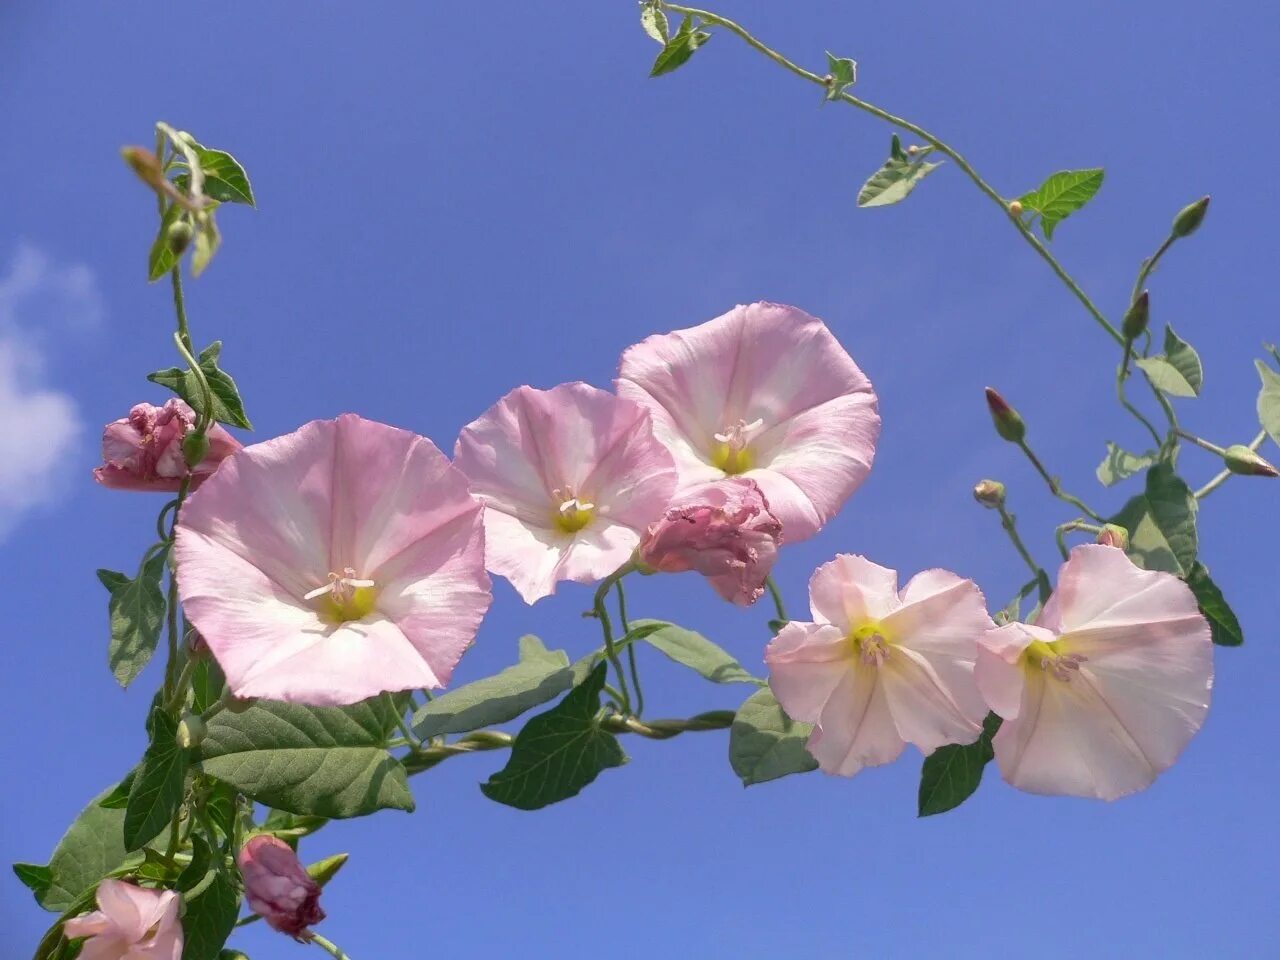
(1190, 217)
(1008, 424)
(178, 236)
(1137, 317)
(146, 165)
(191, 731)
(989, 493)
(1015, 208)
(278, 887)
(1242, 460)
(1113, 535)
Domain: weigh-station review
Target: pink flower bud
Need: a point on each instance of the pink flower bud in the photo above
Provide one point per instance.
(144, 451)
(1113, 535)
(725, 531)
(278, 887)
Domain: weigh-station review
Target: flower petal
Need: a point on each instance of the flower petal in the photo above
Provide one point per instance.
(806, 662)
(928, 711)
(856, 729)
(850, 590)
(998, 673)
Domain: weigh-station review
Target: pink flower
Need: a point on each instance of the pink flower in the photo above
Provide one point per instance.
(144, 450)
(724, 531)
(879, 669)
(570, 478)
(278, 887)
(765, 392)
(337, 562)
(1102, 695)
(131, 923)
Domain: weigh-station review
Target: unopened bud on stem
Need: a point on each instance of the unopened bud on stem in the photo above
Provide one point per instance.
(1137, 317)
(989, 493)
(146, 165)
(1015, 208)
(1242, 460)
(1190, 217)
(191, 731)
(1114, 535)
(178, 236)
(1008, 424)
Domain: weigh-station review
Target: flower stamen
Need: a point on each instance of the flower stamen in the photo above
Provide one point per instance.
(575, 512)
(345, 597)
(732, 453)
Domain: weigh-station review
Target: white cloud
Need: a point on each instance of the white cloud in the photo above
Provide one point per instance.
(39, 425)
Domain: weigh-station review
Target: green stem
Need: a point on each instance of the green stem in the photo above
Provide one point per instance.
(1124, 402)
(1055, 487)
(1222, 477)
(606, 627)
(329, 946)
(777, 597)
(631, 648)
(923, 134)
(1009, 522)
(1202, 443)
(1061, 531)
(1148, 265)
(410, 737)
(172, 608)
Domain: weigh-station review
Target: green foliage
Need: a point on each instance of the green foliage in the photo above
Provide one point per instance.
(1121, 464)
(92, 847)
(765, 744)
(207, 685)
(118, 797)
(1269, 400)
(208, 240)
(558, 752)
(1062, 195)
(897, 178)
(211, 898)
(137, 611)
(540, 676)
(695, 651)
(225, 179)
(1162, 523)
(677, 50)
(654, 21)
(227, 405)
(322, 871)
(163, 257)
(37, 878)
(157, 787)
(328, 761)
(843, 73)
(952, 773)
(1222, 619)
(1178, 371)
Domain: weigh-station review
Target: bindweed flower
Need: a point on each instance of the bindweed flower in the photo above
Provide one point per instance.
(1104, 692)
(143, 451)
(570, 478)
(878, 669)
(335, 563)
(278, 887)
(131, 923)
(764, 392)
(723, 530)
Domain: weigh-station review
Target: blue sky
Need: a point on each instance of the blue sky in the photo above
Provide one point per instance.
(457, 201)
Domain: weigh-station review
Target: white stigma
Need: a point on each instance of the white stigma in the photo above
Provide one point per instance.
(874, 650)
(342, 586)
(737, 435)
(1062, 667)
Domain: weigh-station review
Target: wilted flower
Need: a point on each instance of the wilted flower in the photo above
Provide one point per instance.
(1104, 692)
(725, 531)
(765, 392)
(337, 562)
(879, 669)
(143, 451)
(570, 478)
(131, 923)
(278, 887)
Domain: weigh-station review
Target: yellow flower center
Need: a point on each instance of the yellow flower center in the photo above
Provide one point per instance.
(870, 642)
(574, 512)
(1041, 655)
(344, 598)
(732, 451)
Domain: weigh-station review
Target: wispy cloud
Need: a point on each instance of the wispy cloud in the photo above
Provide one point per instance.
(39, 425)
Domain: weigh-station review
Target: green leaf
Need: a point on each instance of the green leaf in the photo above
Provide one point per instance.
(654, 21)
(290, 827)
(765, 744)
(322, 871)
(677, 51)
(227, 405)
(540, 676)
(1121, 464)
(137, 610)
(1269, 400)
(211, 910)
(897, 178)
(208, 241)
(225, 179)
(158, 785)
(695, 651)
(328, 761)
(843, 72)
(207, 685)
(1178, 371)
(1062, 195)
(1222, 620)
(952, 773)
(91, 848)
(118, 797)
(38, 878)
(162, 258)
(558, 752)
(53, 945)
(1162, 523)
